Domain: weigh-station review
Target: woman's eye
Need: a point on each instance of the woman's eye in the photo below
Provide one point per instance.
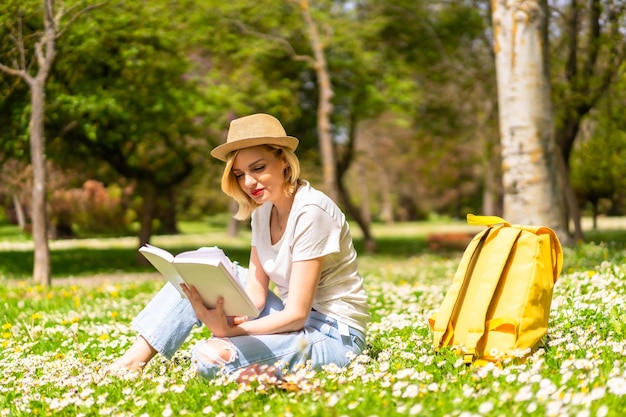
(259, 168)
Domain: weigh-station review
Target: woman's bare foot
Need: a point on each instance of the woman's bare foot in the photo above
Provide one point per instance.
(135, 358)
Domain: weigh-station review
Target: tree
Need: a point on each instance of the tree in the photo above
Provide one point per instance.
(588, 43)
(55, 21)
(127, 95)
(597, 168)
(435, 82)
(598, 159)
(529, 156)
(324, 105)
(333, 168)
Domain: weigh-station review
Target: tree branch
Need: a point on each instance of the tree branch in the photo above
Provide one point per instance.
(593, 41)
(19, 42)
(617, 50)
(19, 68)
(76, 16)
(12, 71)
(288, 47)
(571, 68)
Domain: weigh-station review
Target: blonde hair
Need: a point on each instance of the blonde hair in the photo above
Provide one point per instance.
(231, 187)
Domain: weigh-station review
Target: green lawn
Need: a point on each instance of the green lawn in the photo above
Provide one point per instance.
(56, 341)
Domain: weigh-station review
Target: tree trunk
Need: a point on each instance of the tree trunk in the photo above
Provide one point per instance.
(571, 203)
(166, 212)
(19, 212)
(324, 106)
(148, 211)
(365, 192)
(595, 215)
(355, 213)
(233, 224)
(41, 267)
(386, 212)
(529, 166)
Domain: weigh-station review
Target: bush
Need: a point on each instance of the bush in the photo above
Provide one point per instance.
(92, 209)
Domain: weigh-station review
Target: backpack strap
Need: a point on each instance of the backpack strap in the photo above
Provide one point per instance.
(480, 295)
(441, 323)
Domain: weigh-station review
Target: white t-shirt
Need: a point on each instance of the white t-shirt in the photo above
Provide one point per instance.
(316, 227)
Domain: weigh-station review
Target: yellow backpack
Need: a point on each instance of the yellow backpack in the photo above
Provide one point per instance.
(498, 304)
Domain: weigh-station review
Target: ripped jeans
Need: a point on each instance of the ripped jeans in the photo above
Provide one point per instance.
(167, 320)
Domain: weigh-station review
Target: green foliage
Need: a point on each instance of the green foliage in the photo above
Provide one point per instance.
(597, 167)
(598, 161)
(141, 91)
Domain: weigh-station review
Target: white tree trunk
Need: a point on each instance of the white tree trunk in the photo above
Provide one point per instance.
(529, 170)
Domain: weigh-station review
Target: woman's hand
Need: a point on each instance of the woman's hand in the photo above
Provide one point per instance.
(213, 318)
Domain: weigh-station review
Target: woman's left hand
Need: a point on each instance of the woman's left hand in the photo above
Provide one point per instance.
(213, 318)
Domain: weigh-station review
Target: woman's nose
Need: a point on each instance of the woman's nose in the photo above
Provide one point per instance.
(249, 180)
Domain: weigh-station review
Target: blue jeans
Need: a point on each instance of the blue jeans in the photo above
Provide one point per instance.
(167, 320)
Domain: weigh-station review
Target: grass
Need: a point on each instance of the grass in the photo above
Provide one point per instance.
(55, 341)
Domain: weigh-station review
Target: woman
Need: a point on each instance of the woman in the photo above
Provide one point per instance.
(300, 242)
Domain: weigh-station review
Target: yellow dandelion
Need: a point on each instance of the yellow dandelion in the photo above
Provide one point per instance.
(115, 294)
(5, 344)
(114, 314)
(103, 337)
(6, 326)
(50, 295)
(76, 301)
(36, 316)
(591, 273)
(60, 355)
(74, 319)
(6, 335)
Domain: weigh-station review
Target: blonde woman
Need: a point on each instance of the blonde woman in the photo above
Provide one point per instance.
(300, 242)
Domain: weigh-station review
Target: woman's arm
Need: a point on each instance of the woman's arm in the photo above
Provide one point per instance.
(257, 283)
(305, 276)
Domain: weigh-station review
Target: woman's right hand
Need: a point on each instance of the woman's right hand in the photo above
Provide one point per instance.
(213, 318)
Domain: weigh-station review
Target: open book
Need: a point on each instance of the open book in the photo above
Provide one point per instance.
(210, 271)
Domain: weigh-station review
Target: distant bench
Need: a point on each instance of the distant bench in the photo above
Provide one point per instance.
(449, 240)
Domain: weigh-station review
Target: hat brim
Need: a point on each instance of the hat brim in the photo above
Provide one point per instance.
(221, 152)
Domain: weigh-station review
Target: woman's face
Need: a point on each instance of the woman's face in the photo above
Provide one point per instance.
(260, 174)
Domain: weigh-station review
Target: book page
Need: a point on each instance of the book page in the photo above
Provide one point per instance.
(210, 255)
(216, 280)
(162, 261)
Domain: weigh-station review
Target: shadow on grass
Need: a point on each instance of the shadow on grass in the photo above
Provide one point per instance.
(84, 262)
(80, 262)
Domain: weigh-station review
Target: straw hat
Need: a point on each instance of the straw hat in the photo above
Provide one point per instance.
(253, 130)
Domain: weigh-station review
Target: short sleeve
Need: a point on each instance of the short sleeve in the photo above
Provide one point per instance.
(316, 234)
